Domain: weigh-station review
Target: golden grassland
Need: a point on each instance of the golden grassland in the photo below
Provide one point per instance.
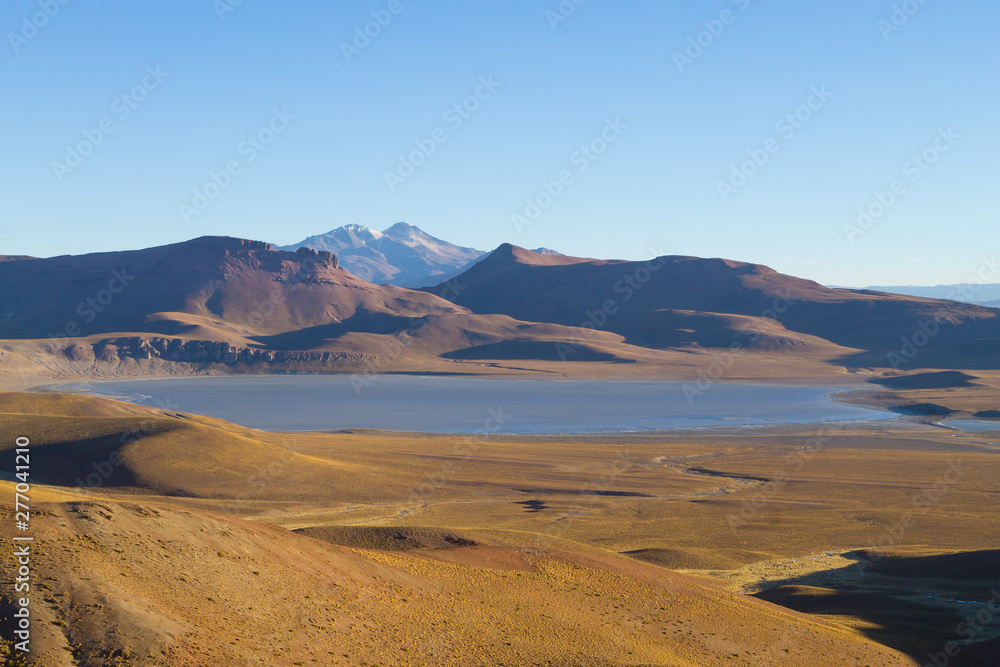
(197, 542)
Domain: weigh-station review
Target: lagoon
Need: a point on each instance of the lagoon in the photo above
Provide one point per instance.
(436, 404)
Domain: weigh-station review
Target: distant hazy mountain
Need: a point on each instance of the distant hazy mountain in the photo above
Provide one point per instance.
(401, 255)
(986, 295)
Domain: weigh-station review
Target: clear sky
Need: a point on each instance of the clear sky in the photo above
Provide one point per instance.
(309, 128)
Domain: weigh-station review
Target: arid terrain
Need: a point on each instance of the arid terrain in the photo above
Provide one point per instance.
(223, 305)
(170, 539)
(167, 538)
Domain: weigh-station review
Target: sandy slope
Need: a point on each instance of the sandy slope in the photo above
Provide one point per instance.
(138, 584)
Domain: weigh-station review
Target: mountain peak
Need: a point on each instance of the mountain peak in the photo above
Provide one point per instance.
(358, 230)
(403, 228)
(512, 253)
(401, 254)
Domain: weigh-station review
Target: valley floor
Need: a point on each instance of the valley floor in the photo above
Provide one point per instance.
(163, 538)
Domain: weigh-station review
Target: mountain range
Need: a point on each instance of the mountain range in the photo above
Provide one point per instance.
(402, 255)
(981, 293)
(239, 306)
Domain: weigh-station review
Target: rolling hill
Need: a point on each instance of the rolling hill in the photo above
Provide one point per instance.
(218, 304)
(180, 554)
(674, 301)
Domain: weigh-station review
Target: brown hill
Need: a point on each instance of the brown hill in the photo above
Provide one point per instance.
(672, 301)
(233, 285)
(231, 305)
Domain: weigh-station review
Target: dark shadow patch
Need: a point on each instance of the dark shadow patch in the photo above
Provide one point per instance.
(389, 538)
(940, 380)
(963, 566)
(585, 492)
(535, 350)
(730, 475)
(311, 338)
(922, 410)
(532, 506)
(914, 604)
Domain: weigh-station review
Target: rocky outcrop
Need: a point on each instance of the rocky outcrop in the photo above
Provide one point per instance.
(206, 352)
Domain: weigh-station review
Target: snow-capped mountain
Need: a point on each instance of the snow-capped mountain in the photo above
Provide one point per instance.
(402, 254)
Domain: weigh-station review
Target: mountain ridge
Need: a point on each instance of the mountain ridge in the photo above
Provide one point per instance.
(398, 255)
(239, 305)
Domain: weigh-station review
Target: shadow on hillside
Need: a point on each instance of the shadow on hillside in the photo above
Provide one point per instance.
(918, 605)
(88, 464)
(977, 355)
(314, 337)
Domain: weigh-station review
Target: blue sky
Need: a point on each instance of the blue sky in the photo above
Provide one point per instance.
(300, 135)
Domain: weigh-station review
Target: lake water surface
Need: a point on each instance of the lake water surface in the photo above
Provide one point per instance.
(972, 424)
(467, 405)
